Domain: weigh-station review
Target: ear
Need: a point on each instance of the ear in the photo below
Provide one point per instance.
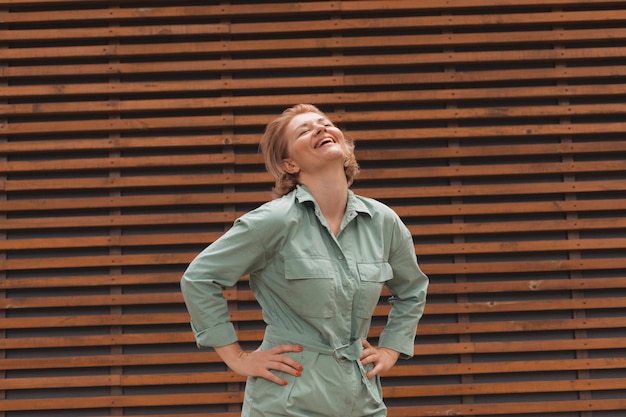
(290, 166)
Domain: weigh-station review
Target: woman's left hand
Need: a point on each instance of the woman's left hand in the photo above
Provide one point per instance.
(383, 358)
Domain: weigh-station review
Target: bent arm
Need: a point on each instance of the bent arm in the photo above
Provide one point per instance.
(218, 266)
(408, 289)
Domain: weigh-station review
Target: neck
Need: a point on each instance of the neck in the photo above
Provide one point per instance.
(331, 194)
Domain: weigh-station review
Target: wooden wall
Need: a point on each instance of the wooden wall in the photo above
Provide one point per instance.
(129, 140)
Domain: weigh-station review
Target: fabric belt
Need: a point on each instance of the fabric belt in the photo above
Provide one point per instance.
(348, 352)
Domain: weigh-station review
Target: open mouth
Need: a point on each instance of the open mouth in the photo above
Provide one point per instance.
(324, 141)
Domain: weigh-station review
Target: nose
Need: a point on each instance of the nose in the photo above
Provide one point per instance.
(319, 127)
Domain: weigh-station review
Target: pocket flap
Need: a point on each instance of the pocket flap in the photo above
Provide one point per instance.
(307, 268)
(375, 271)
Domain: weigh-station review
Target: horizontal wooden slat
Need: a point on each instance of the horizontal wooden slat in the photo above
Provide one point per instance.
(182, 258)
(490, 307)
(367, 5)
(398, 79)
(429, 349)
(544, 246)
(424, 330)
(295, 26)
(207, 199)
(361, 42)
(421, 230)
(538, 284)
(434, 114)
(510, 388)
(125, 88)
(396, 392)
(398, 371)
(540, 408)
(366, 174)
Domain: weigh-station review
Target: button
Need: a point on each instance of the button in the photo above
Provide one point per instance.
(340, 257)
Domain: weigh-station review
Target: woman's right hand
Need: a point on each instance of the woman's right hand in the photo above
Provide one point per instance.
(260, 363)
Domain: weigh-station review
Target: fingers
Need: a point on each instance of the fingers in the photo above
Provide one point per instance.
(274, 359)
(273, 378)
(382, 358)
(369, 354)
(285, 363)
(375, 371)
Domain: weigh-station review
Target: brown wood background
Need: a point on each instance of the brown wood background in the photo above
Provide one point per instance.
(129, 140)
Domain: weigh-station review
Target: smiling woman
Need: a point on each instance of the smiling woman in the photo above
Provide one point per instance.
(318, 257)
(281, 134)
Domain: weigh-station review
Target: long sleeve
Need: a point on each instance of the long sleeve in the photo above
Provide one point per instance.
(408, 294)
(218, 266)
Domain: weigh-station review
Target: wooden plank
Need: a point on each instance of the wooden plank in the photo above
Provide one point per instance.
(480, 388)
(556, 304)
(409, 78)
(361, 6)
(423, 330)
(154, 142)
(437, 229)
(169, 31)
(486, 190)
(144, 14)
(504, 246)
(542, 246)
(63, 281)
(212, 13)
(124, 380)
(94, 320)
(398, 371)
(522, 267)
(595, 147)
(100, 164)
(496, 367)
(477, 112)
(110, 32)
(210, 199)
(80, 361)
(569, 55)
(535, 285)
(524, 387)
(541, 408)
(483, 171)
(427, 96)
(121, 401)
(486, 171)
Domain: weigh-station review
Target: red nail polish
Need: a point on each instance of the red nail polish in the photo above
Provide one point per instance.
(284, 382)
(300, 368)
(299, 348)
(298, 374)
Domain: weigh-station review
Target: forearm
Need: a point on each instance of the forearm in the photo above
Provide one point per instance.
(230, 354)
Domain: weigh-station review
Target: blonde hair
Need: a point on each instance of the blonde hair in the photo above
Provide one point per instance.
(274, 146)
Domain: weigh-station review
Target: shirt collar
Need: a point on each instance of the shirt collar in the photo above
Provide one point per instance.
(354, 203)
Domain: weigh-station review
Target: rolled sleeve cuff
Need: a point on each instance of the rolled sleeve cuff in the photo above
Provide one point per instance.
(403, 344)
(220, 335)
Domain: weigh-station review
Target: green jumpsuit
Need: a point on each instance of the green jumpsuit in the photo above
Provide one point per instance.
(317, 290)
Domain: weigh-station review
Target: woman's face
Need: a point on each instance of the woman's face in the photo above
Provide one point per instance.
(313, 143)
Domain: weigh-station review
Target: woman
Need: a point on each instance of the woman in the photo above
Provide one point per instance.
(318, 257)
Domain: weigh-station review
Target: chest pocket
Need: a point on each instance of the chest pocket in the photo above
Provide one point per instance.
(372, 276)
(310, 286)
